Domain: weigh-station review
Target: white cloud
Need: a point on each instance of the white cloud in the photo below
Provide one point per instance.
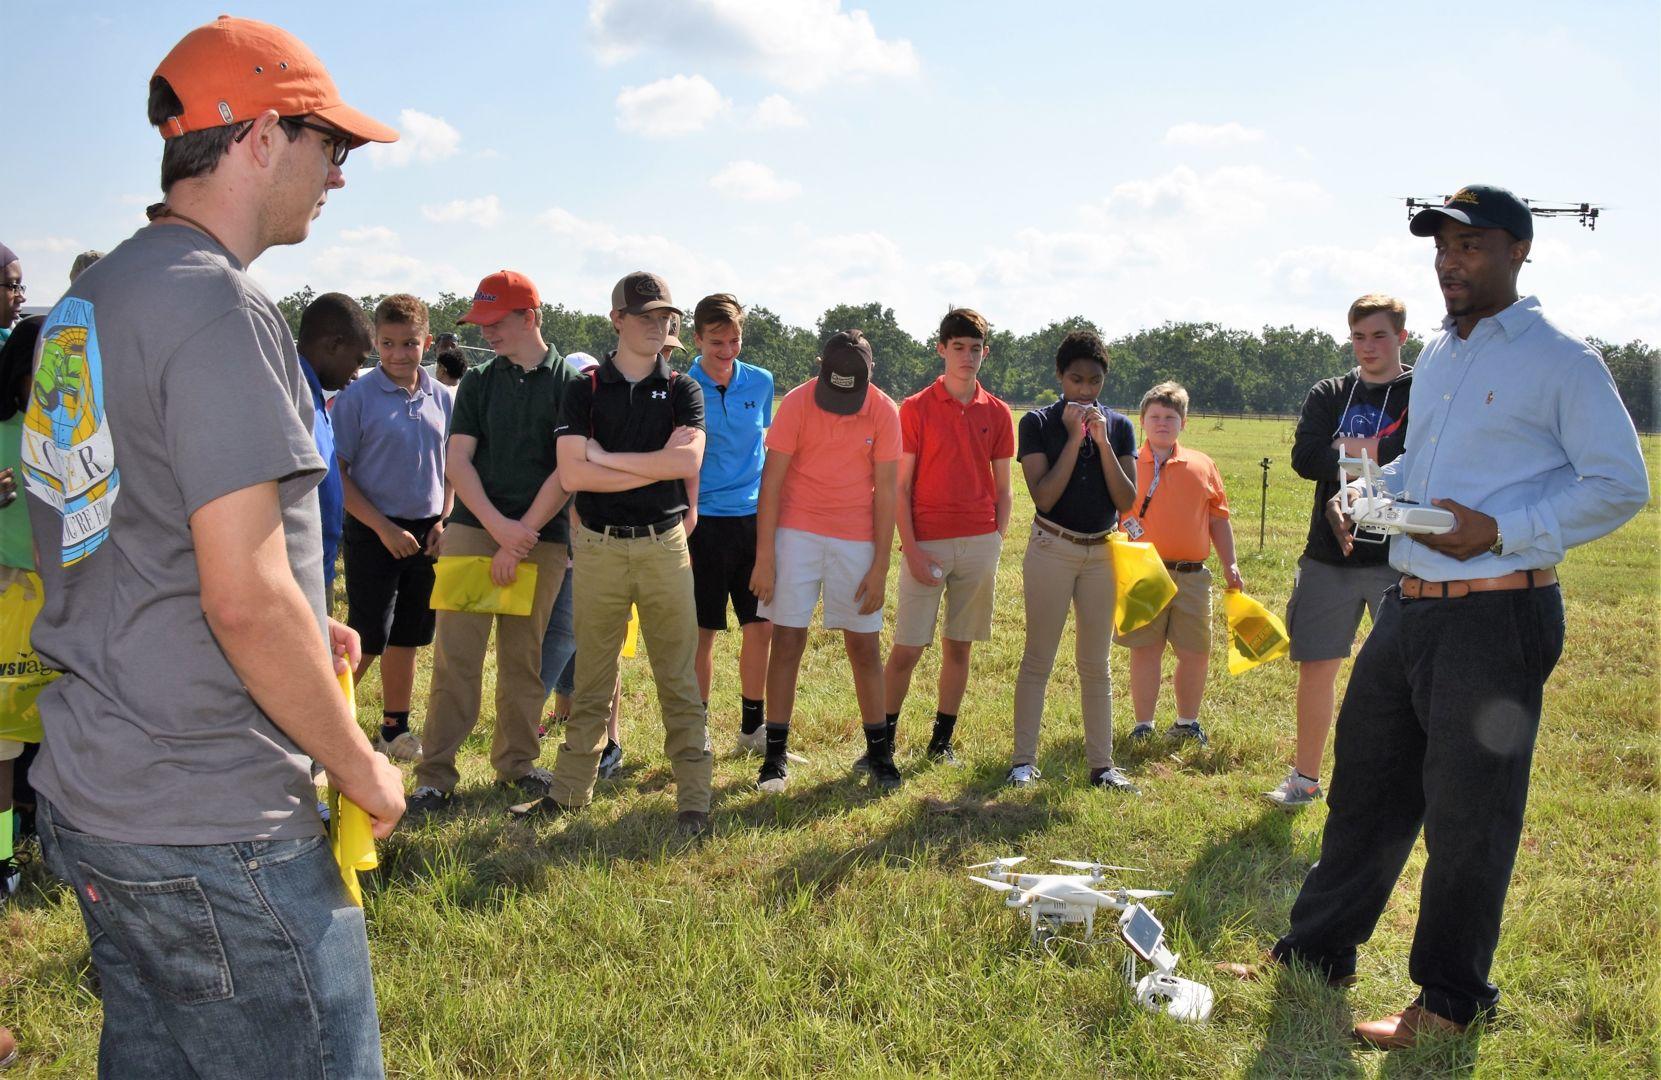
(369, 234)
(594, 254)
(1234, 198)
(801, 44)
(56, 245)
(752, 181)
(777, 111)
(484, 211)
(421, 138)
(1229, 134)
(678, 105)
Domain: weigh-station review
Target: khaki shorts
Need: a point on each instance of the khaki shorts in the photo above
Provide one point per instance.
(971, 569)
(1186, 620)
(10, 749)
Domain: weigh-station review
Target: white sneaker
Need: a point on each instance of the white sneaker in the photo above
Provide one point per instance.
(1022, 776)
(1295, 791)
(404, 747)
(753, 743)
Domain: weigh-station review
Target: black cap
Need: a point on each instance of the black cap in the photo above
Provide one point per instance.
(641, 292)
(844, 373)
(1481, 205)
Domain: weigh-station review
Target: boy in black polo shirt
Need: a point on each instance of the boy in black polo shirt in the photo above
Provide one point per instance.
(500, 460)
(632, 437)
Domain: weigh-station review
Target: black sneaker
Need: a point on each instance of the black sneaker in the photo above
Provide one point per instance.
(423, 801)
(11, 879)
(1190, 733)
(611, 759)
(884, 773)
(942, 755)
(534, 784)
(861, 768)
(692, 824)
(544, 809)
(774, 776)
(1141, 732)
(1114, 779)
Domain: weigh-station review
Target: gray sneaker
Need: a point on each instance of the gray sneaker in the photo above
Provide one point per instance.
(1023, 776)
(403, 747)
(754, 742)
(1295, 791)
(533, 785)
(1188, 732)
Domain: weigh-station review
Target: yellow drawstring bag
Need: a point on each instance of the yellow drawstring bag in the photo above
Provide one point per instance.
(1141, 584)
(21, 676)
(634, 632)
(462, 583)
(1255, 634)
(350, 836)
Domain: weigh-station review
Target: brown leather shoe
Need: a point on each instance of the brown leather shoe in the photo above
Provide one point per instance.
(1402, 1030)
(1266, 965)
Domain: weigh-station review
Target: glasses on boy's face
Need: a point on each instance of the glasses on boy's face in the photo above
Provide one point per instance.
(336, 142)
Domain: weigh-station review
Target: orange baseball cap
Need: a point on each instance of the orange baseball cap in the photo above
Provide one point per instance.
(231, 70)
(500, 294)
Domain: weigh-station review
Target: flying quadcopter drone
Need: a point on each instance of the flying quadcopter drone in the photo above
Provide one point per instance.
(1056, 900)
(1586, 212)
(1376, 513)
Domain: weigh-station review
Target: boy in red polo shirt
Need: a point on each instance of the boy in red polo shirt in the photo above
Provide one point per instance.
(1182, 510)
(825, 523)
(953, 509)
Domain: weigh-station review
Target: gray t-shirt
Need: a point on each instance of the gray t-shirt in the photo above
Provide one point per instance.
(164, 379)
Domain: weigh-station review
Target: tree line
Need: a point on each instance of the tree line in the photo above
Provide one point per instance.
(1225, 370)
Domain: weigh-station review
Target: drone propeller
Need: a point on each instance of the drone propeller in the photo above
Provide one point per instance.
(1000, 864)
(1096, 867)
(999, 886)
(1141, 894)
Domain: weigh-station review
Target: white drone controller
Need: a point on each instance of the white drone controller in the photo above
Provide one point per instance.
(1160, 989)
(1376, 514)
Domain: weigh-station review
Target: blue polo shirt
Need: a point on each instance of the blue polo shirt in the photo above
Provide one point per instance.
(331, 497)
(736, 416)
(391, 441)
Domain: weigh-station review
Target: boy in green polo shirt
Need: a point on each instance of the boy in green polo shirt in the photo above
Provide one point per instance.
(500, 460)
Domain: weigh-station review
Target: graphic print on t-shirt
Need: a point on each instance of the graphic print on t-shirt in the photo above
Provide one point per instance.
(1364, 421)
(68, 454)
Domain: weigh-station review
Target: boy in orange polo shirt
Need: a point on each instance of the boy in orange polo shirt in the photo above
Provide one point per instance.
(1182, 511)
(825, 523)
(953, 512)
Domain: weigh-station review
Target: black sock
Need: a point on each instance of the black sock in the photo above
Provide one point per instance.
(879, 742)
(777, 736)
(944, 725)
(751, 715)
(1311, 779)
(892, 722)
(394, 724)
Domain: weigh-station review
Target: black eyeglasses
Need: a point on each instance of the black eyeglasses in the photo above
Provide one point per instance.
(337, 142)
(14, 286)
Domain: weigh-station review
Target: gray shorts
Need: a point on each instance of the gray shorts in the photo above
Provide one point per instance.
(1325, 609)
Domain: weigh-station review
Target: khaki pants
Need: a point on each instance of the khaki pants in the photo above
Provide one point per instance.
(460, 642)
(654, 574)
(1057, 573)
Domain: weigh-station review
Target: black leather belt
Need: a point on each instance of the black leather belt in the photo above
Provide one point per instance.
(640, 532)
(1185, 567)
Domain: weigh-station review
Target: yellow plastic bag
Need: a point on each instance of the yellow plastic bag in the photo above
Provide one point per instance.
(462, 583)
(1142, 586)
(350, 836)
(634, 632)
(21, 676)
(1255, 634)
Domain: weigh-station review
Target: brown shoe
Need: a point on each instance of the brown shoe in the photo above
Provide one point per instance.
(1256, 972)
(8, 1047)
(1402, 1030)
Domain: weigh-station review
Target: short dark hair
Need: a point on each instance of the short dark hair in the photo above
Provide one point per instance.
(965, 323)
(715, 310)
(452, 363)
(1080, 345)
(333, 315)
(196, 153)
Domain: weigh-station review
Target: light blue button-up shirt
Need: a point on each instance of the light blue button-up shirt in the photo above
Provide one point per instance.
(1522, 422)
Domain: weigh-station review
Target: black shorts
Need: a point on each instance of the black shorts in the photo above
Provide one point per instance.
(723, 553)
(388, 600)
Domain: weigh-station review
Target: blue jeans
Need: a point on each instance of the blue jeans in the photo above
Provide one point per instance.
(1436, 732)
(559, 644)
(241, 960)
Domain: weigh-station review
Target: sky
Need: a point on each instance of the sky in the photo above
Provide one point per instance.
(1131, 163)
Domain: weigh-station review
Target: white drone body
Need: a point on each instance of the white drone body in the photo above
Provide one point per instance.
(1375, 512)
(1055, 900)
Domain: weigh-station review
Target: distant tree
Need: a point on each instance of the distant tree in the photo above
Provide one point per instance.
(904, 364)
(293, 306)
(789, 352)
(1633, 367)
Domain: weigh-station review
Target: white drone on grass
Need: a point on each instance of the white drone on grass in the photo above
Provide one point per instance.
(1055, 900)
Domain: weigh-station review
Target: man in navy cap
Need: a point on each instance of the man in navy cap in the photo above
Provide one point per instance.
(1518, 432)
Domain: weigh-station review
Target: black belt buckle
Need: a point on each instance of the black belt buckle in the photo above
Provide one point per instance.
(640, 532)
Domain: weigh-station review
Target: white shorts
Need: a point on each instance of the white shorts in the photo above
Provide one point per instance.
(10, 749)
(804, 564)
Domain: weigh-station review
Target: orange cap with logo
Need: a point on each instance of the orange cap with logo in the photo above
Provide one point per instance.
(231, 70)
(500, 294)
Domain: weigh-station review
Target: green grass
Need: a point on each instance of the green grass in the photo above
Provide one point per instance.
(833, 932)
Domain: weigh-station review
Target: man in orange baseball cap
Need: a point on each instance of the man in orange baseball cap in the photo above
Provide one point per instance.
(175, 514)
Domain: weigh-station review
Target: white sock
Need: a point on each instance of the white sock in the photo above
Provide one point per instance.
(1189, 723)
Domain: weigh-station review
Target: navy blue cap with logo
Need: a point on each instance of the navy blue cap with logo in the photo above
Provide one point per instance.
(1482, 206)
(844, 373)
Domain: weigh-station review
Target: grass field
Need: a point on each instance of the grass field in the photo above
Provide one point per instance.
(831, 931)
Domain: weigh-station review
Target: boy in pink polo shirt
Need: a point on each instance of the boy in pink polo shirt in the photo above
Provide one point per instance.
(825, 523)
